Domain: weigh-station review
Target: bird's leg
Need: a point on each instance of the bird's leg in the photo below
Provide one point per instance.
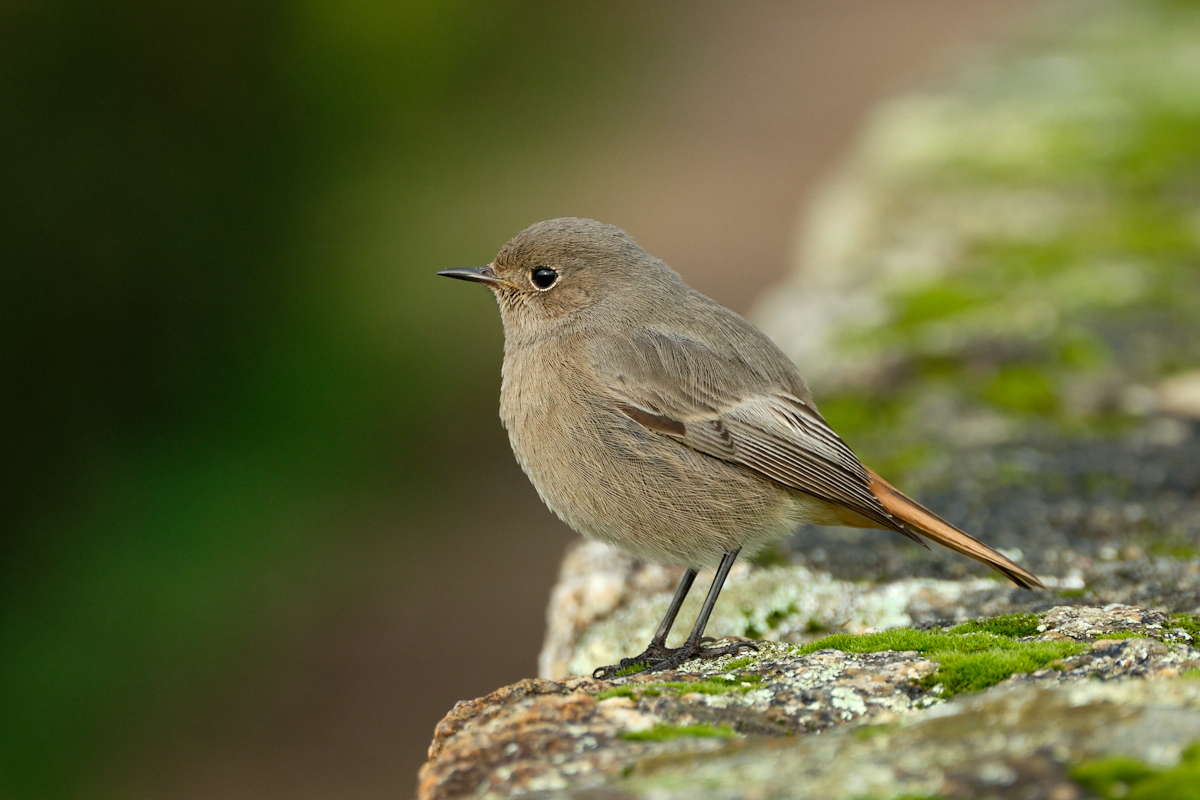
(658, 656)
(694, 646)
(657, 650)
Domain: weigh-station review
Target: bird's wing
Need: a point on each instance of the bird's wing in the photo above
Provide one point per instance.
(730, 407)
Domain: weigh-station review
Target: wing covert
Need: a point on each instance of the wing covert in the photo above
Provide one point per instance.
(730, 408)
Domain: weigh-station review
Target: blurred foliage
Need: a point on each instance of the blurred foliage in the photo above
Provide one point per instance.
(219, 332)
(1124, 777)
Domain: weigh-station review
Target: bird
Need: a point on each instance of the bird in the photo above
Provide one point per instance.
(655, 420)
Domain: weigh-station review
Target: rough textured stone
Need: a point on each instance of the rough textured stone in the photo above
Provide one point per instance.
(790, 604)
(1012, 742)
(1077, 509)
(795, 604)
(574, 735)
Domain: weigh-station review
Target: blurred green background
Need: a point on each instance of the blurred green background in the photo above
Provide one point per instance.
(259, 527)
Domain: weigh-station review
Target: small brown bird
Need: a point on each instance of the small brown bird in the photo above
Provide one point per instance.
(653, 419)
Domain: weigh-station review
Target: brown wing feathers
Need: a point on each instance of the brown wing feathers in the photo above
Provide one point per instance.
(923, 521)
(667, 384)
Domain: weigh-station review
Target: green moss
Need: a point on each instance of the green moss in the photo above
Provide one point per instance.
(1124, 777)
(772, 556)
(662, 733)
(1191, 674)
(902, 459)
(1083, 351)
(1022, 389)
(1071, 594)
(772, 620)
(1124, 635)
(1103, 777)
(714, 685)
(744, 661)
(865, 732)
(1182, 552)
(633, 691)
(974, 671)
(852, 415)
(935, 302)
(779, 615)
(1189, 623)
(632, 669)
(1013, 473)
(1015, 319)
(967, 662)
(1014, 625)
(898, 639)
(1102, 483)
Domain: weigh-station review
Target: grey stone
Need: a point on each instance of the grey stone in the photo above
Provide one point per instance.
(747, 728)
(1014, 742)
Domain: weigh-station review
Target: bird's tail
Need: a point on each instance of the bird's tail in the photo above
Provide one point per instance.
(921, 520)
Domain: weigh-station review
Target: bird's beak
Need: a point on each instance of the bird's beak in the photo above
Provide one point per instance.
(477, 274)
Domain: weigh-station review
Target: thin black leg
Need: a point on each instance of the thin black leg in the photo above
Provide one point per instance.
(658, 656)
(664, 627)
(710, 600)
(657, 650)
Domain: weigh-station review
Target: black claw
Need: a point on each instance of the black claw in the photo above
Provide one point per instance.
(658, 658)
(646, 662)
(622, 669)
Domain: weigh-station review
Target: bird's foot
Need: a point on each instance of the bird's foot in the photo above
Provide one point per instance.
(631, 666)
(692, 650)
(657, 658)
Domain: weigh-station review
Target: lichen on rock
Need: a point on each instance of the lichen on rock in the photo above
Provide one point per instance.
(1015, 741)
(579, 734)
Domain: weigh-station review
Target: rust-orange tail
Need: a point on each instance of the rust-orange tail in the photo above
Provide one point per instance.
(923, 521)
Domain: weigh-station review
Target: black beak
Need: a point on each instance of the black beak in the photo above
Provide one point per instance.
(476, 274)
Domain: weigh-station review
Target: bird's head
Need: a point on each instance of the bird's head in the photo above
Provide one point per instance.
(565, 268)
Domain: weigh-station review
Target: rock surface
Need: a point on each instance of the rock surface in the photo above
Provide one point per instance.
(738, 720)
(1012, 742)
(998, 305)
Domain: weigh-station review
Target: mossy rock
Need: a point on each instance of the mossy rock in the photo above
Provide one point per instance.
(885, 698)
(999, 301)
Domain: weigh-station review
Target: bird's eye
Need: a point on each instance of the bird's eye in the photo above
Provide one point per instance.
(544, 278)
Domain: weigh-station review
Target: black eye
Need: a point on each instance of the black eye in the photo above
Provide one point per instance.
(544, 278)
